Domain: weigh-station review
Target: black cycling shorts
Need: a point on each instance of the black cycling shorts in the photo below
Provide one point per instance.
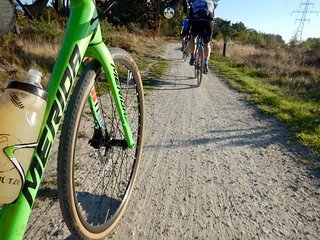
(203, 27)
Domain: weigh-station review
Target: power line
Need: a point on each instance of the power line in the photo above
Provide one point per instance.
(304, 10)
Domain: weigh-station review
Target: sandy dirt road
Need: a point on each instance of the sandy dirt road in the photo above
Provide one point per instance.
(213, 167)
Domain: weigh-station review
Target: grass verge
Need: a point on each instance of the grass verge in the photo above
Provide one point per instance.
(300, 114)
(157, 70)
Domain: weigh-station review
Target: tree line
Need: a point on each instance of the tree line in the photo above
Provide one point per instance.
(223, 29)
(310, 43)
(148, 15)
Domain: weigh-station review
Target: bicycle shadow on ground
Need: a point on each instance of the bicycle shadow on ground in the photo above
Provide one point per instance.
(71, 237)
(47, 193)
(97, 207)
(257, 138)
(169, 83)
(87, 201)
(107, 207)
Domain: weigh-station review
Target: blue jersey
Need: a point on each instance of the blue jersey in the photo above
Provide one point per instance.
(185, 24)
(202, 9)
(200, 5)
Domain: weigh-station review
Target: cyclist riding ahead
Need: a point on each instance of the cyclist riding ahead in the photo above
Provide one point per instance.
(201, 16)
(185, 28)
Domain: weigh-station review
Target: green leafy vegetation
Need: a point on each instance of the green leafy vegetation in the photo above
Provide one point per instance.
(239, 32)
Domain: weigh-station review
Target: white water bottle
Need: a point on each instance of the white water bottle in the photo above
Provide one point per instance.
(22, 108)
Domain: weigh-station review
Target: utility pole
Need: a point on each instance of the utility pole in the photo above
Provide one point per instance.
(304, 10)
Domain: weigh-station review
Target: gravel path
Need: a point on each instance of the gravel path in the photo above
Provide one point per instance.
(213, 167)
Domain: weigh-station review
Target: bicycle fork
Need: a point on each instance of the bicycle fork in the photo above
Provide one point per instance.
(102, 54)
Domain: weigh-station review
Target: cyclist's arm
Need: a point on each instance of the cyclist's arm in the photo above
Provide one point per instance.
(215, 3)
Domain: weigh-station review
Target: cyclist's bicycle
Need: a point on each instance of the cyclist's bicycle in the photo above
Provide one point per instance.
(101, 136)
(199, 59)
(185, 47)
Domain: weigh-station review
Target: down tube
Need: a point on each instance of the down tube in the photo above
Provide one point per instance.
(102, 54)
(14, 217)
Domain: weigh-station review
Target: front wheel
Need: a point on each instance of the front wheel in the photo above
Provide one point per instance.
(96, 171)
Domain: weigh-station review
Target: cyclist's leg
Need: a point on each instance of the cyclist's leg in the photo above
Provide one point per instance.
(206, 48)
(194, 32)
(184, 35)
(207, 51)
(187, 49)
(207, 40)
(192, 48)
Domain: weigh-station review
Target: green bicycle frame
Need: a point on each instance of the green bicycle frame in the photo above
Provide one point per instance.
(83, 38)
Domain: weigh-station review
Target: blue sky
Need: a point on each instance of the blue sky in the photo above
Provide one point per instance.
(271, 16)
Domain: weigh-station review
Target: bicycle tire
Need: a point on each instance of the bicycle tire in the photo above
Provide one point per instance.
(91, 211)
(185, 53)
(200, 65)
(196, 72)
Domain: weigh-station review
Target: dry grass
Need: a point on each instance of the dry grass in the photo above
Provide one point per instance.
(22, 54)
(299, 67)
(134, 41)
(36, 47)
(281, 61)
(39, 43)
